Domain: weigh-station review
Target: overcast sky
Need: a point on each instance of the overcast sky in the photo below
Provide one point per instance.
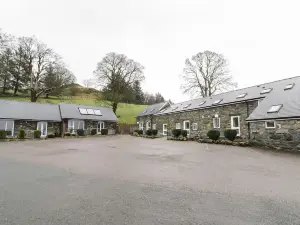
(260, 38)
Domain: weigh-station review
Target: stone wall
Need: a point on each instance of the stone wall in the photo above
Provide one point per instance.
(204, 119)
(286, 135)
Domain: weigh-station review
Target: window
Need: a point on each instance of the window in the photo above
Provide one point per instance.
(186, 106)
(154, 126)
(217, 101)
(235, 124)
(141, 125)
(151, 110)
(165, 129)
(7, 125)
(216, 122)
(90, 111)
(148, 125)
(97, 112)
(265, 91)
(241, 95)
(274, 108)
(201, 103)
(74, 125)
(270, 124)
(174, 108)
(42, 126)
(83, 111)
(195, 126)
(178, 126)
(289, 86)
(186, 126)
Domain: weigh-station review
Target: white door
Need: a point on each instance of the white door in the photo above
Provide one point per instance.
(42, 126)
(100, 127)
(186, 126)
(165, 129)
(235, 124)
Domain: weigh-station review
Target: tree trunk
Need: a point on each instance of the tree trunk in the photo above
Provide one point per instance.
(16, 87)
(4, 86)
(33, 95)
(115, 106)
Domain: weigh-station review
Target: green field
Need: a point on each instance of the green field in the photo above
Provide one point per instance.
(126, 112)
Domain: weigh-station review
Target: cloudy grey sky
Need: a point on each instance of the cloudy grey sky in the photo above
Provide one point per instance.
(260, 38)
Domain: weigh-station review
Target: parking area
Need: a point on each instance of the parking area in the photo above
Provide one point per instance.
(130, 180)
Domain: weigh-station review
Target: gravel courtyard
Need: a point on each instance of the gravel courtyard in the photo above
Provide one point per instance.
(136, 181)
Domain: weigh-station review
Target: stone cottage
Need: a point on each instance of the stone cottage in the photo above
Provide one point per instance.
(15, 116)
(145, 120)
(263, 112)
(76, 117)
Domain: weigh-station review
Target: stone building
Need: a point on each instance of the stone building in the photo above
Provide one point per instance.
(268, 113)
(53, 119)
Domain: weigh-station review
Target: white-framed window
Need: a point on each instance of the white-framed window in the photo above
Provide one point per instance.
(195, 126)
(270, 124)
(97, 112)
(154, 126)
(289, 86)
(165, 129)
(74, 125)
(7, 125)
(274, 108)
(90, 111)
(42, 126)
(148, 125)
(141, 124)
(178, 125)
(216, 122)
(83, 111)
(187, 126)
(235, 124)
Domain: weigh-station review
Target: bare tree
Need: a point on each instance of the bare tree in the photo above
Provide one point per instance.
(206, 74)
(116, 74)
(88, 83)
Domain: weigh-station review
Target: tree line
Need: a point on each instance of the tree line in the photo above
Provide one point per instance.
(27, 64)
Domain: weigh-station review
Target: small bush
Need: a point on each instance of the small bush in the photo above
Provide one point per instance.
(93, 131)
(184, 133)
(230, 134)
(176, 132)
(140, 132)
(3, 134)
(51, 136)
(37, 134)
(68, 134)
(149, 132)
(22, 134)
(136, 134)
(80, 132)
(213, 134)
(104, 131)
(154, 132)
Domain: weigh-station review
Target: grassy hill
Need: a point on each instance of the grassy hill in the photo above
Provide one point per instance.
(126, 113)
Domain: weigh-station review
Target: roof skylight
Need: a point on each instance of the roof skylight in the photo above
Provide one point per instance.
(274, 108)
(289, 86)
(265, 91)
(186, 106)
(174, 108)
(201, 103)
(162, 110)
(90, 111)
(217, 101)
(151, 110)
(241, 95)
(97, 112)
(83, 111)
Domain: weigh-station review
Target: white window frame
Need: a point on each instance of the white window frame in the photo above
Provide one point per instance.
(13, 126)
(72, 122)
(214, 124)
(267, 127)
(154, 126)
(42, 126)
(83, 111)
(165, 131)
(184, 126)
(97, 112)
(141, 125)
(148, 125)
(102, 126)
(178, 125)
(275, 108)
(238, 129)
(195, 126)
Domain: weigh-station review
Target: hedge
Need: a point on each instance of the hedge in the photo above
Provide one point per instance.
(149, 132)
(154, 132)
(37, 134)
(22, 134)
(80, 132)
(213, 134)
(230, 134)
(176, 132)
(3, 134)
(104, 131)
(93, 131)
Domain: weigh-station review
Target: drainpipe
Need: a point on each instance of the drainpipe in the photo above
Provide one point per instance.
(248, 124)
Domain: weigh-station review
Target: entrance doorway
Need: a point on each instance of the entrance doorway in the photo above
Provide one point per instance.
(100, 126)
(42, 126)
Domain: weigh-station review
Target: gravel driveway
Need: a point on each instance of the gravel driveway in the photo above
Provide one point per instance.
(136, 181)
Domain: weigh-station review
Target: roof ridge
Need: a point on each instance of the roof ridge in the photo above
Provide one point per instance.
(84, 105)
(40, 103)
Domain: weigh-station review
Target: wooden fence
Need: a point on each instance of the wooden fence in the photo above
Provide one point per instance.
(126, 128)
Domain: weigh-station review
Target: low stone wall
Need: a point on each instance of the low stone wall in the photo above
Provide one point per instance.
(286, 135)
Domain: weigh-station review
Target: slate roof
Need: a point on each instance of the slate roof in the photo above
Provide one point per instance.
(71, 111)
(153, 109)
(29, 111)
(278, 95)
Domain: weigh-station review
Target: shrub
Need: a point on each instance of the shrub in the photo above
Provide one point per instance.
(213, 134)
(57, 134)
(184, 133)
(93, 131)
(104, 131)
(154, 132)
(136, 134)
(140, 132)
(37, 134)
(3, 134)
(230, 134)
(176, 132)
(22, 134)
(51, 136)
(80, 132)
(149, 132)
(68, 134)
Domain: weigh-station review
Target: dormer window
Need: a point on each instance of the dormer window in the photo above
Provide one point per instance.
(217, 101)
(265, 91)
(174, 108)
(241, 95)
(289, 86)
(274, 108)
(201, 103)
(186, 106)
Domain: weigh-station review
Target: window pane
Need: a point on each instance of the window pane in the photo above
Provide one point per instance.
(97, 112)
(80, 124)
(270, 124)
(90, 111)
(187, 125)
(83, 111)
(236, 122)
